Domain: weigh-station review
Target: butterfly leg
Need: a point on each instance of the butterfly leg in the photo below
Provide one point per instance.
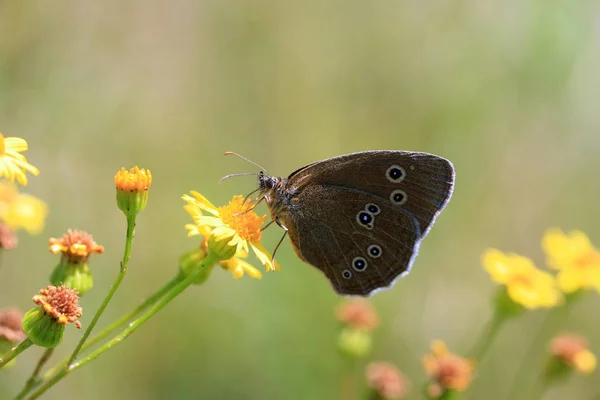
(280, 240)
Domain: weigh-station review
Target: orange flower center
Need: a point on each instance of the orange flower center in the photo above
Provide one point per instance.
(2, 145)
(521, 279)
(238, 215)
(589, 259)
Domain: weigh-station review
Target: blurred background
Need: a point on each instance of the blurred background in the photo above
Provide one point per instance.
(506, 90)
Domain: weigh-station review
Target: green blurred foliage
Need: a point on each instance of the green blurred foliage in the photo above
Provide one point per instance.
(506, 90)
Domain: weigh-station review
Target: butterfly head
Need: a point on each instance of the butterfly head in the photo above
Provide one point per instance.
(267, 183)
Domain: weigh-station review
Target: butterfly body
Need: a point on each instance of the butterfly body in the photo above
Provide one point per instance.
(360, 217)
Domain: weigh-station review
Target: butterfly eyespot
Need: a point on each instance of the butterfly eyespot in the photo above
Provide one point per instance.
(359, 264)
(412, 167)
(347, 274)
(372, 208)
(295, 201)
(374, 251)
(365, 219)
(395, 174)
(398, 197)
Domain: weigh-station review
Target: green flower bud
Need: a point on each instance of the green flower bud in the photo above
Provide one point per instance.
(189, 263)
(76, 276)
(354, 343)
(221, 248)
(42, 329)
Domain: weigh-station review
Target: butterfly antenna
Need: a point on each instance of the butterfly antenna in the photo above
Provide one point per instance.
(241, 174)
(231, 153)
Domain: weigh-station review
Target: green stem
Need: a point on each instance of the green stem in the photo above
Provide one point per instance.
(121, 321)
(487, 336)
(549, 327)
(540, 388)
(15, 351)
(348, 390)
(167, 298)
(34, 376)
(113, 289)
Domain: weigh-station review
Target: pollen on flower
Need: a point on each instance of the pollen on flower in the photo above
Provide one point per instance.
(358, 314)
(448, 371)
(386, 380)
(573, 350)
(10, 325)
(13, 164)
(61, 303)
(133, 180)
(75, 245)
(238, 216)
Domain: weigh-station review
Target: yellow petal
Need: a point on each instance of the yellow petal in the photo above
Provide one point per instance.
(563, 250)
(16, 144)
(263, 255)
(204, 203)
(208, 221)
(585, 362)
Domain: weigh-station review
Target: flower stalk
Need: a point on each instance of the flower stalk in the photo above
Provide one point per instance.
(180, 287)
(122, 272)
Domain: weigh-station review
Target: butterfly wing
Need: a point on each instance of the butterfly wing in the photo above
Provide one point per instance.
(360, 217)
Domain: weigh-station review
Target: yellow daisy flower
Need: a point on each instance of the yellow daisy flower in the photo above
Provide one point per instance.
(235, 222)
(13, 164)
(237, 266)
(19, 210)
(526, 285)
(577, 261)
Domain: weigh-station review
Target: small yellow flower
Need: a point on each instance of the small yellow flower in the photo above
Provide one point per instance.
(13, 164)
(448, 371)
(577, 261)
(20, 210)
(526, 285)
(235, 222)
(573, 351)
(236, 265)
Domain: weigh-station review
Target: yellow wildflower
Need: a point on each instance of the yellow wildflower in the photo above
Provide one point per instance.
(235, 222)
(577, 261)
(526, 285)
(20, 210)
(13, 164)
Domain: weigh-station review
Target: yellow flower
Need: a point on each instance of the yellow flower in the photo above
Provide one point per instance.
(577, 261)
(235, 222)
(448, 371)
(13, 164)
(526, 285)
(132, 189)
(19, 210)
